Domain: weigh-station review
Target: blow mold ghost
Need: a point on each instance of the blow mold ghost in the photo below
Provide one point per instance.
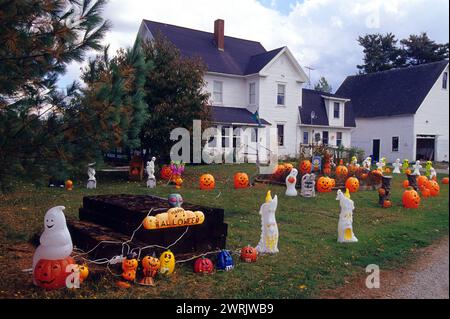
(55, 241)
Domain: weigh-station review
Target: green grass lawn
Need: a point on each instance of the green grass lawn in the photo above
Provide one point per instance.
(310, 259)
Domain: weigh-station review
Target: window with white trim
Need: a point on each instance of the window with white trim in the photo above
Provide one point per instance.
(395, 140)
(281, 95)
(218, 91)
(252, 94)
(280, 131)
(338, 138)
(226, 133)
(337, 109)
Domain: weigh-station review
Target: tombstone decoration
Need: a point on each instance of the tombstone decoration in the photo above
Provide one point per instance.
(384, 192)
(150, 170)
(397, 166)
(308, 185)
(175, 200)
(92, 181)
(412, 180)
(316, 164)
(417, 168)
(291, 181)
(345, 224)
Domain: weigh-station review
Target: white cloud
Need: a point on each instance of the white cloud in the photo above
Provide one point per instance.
(320, 33)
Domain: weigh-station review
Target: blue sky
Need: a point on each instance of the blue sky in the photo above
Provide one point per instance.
(320, 33)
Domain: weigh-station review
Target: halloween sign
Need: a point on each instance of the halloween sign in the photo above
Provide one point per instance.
(174, 217)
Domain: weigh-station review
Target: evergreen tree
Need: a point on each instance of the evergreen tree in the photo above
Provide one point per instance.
(420, 49)
(175, 95)
(323, 86)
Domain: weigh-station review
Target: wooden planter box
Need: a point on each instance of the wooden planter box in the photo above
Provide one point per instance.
(117, 216)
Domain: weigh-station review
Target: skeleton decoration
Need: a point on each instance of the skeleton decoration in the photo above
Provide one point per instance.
(417, 168)
(269, 228)
(150, 170)
(397, 166)
(92, 181)
(308, 185)
(345, 225)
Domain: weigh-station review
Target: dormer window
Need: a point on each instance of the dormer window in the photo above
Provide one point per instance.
(336, 110)
(444, 80)
(218, 91)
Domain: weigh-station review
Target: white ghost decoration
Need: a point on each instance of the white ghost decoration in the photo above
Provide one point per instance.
(92, 181)
(417, 168)
(345, 225)
(397, 165)
(291, 181)
(150, 170)
(269, 228)
(432, 173)
(56, 242)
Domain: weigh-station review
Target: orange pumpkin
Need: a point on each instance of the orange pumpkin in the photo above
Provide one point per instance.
(327, 171)
(434, 188)
(421, 180)
(69, 185)
(363, 176)
(129, 263)
(405, 183)
(381, 191)
(444, 180)
(411, 198)
(333, 182)
(288, 167)
(129, 275)
(324, 184)
(387, 203)
(387, 170)
(305, 167)
(279, 171)
(249, 254)
(166, 173)
(150, 266)
(425, 192)
(408, 172)
(52, 274)
(341, 171)
(240, 180)
(352, 184)
(207, 182)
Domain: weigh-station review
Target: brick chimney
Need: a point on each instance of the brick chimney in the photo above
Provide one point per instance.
(219, 32)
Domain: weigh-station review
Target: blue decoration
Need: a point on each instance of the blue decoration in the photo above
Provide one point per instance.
(175, 200)
(316, 164)
(225, 260)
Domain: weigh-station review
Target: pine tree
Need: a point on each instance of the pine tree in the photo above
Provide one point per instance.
(323, 86)
(420, 49)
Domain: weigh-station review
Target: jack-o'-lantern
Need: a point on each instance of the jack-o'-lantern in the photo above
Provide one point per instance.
(381, 191)
(444, 180)
(189, 217)
(207, 182)
(150, 266)
(411, 198)
(162, 220)
(167, 263)
(166, 173)
(69, 185)
(434, 188)
(52, 274)
(324, 184)
(129, 263)
(129, 274)
(387, 203)
(421, 181)
(405, 183)
(387, 170)
(363, 176)
(179, 218)
(149, 222)
(305, 167)
(240, 180)
(203, 265)
(83, 272)
(341, 171)
(249, 254)
(279, 171)
(425, 192)
(288, 167)
(408, 171)
(333, 182)
(199, 217)
(175, 213)
(352, 184)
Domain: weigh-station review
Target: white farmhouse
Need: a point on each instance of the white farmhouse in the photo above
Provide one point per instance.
(401, 113)
(251, 87)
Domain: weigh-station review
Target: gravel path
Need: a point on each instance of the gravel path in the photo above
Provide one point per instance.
(426, 278)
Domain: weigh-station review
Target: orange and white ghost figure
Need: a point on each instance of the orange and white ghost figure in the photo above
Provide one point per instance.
(269, 228)
(345, 225)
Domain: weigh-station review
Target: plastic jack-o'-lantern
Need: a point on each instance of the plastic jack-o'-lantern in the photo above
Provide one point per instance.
(341, 171)
(381, 191)
(444, 180)
(203, 265)
(288, 167)
(249, 254)
(166, 172)
(352, 184)
(52, 274)
(150, 266)
(129, 263)
(434, 188)
(207, 182)
(167, 260)
(405, 183)
(305, 167)
(149, 222)
(387, 203)
(129, 275)
(324, 184)
(240, 180)
(69, 185)
(425, 192)
(421, 180)
(224, 260)
(411, 198)
(279, 171)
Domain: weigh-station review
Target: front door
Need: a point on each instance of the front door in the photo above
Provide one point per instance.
(376, 150)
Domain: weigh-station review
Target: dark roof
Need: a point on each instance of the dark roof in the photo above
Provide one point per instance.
(313, 101)
(240, 57)
(222, 114)
(393, 92)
